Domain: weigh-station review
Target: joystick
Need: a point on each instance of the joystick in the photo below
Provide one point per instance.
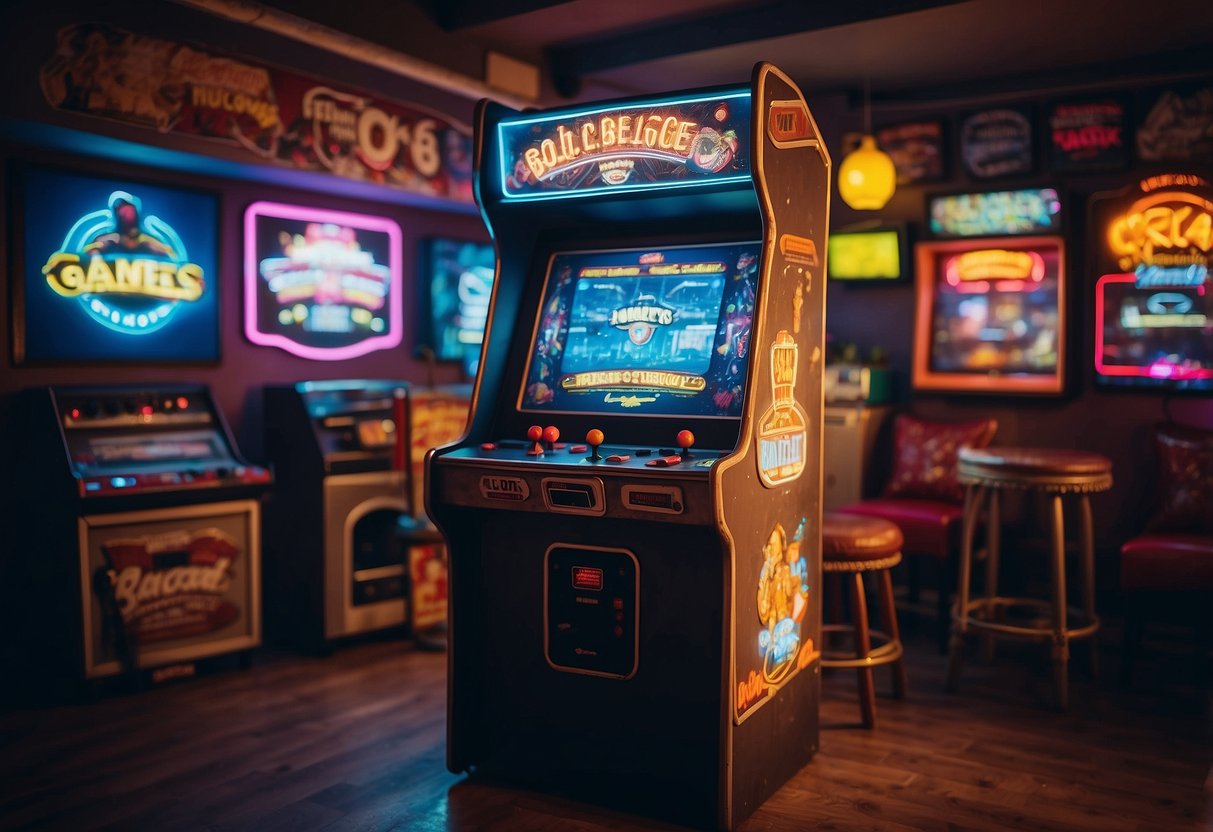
(593, 438)
(685, 440)
(550, 434)
(535, 433)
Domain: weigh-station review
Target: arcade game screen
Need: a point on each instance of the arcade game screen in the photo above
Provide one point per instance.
(661, 332)
(874, 255)
(460, 285)
(114, 270)
(1154, 335)
(991, 315)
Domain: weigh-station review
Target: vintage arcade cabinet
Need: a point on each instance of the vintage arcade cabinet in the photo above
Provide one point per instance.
(346, 553)
(634, 515)
(139, 536)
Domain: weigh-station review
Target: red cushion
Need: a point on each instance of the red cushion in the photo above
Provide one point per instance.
(1174, 562)
(924, 456)
(930, 527)
(1185, 482)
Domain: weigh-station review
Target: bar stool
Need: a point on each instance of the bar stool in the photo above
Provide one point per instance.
(854, 545)
(1060, 473)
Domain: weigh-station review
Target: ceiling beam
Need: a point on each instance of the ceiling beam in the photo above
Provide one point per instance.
(570, 62)
(453, 15)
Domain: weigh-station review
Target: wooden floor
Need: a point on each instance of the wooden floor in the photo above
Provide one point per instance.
(356, 741)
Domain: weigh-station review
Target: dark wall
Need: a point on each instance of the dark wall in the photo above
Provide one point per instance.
(1116, 424)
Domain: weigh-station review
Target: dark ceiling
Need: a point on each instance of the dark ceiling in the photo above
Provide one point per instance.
(906, 49)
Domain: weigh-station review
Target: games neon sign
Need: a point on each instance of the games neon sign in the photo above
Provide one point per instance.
(128, 271)
(649, 145)
(321, 284)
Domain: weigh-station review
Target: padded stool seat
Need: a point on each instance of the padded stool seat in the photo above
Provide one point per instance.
(855, 545)
(1057, 472)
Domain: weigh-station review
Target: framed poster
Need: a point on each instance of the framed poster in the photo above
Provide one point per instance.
(917, 150)
(319, 284)
(113, 270)
(184, 584)
(1176, 125)
(1087, 135)
(997, 143)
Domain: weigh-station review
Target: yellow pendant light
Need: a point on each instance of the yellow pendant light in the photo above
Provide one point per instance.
(867, 178)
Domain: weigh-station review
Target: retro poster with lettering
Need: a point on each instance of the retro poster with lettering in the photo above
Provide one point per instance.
(1087, 135)
(115, 270)
(1152, 253)
(169, 585)
(297, 121)
(997, 143)
(1176, 124)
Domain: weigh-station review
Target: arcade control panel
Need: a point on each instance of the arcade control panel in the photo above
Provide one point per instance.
(544, 474)
(135, 441)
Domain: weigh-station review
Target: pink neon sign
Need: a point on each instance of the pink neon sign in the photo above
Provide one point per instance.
(323, 285)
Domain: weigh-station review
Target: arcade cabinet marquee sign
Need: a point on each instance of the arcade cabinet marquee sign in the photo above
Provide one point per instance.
(683, 143)
(319, 284)
(114, 271)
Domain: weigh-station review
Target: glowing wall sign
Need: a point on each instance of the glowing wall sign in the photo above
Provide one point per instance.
(1027, 211)
(645, 145)
(321, 284)
(1154, 299)
(116, 270)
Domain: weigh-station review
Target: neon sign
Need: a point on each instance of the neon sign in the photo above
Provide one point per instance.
(1154, 300)
(321, 284)
(130, 272)
(1026, 211)
(653, 144)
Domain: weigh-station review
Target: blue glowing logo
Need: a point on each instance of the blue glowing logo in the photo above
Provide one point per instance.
(129, 272)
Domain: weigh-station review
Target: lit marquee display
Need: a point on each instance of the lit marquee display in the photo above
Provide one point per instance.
(115, 271)
(319, 284)
(647, 145)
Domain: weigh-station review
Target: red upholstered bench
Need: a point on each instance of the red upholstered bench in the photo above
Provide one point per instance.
(1168, 569)
(1167, 562)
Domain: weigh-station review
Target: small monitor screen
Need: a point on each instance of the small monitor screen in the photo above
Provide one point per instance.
(1155, 333)
(460, 285)
(644, 332)
(991, 316)
(865, 255)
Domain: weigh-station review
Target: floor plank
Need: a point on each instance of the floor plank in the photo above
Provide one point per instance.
(356, 741)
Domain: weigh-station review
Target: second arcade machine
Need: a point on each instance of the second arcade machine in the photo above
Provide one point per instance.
(634, 515)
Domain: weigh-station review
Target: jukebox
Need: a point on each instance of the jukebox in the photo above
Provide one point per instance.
(141, 540)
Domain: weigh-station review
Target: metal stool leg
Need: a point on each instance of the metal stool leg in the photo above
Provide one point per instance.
(1061, 641)
(993, 548)
(973, 500)
(1088, 579)
(889, 613)
(863, 647)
